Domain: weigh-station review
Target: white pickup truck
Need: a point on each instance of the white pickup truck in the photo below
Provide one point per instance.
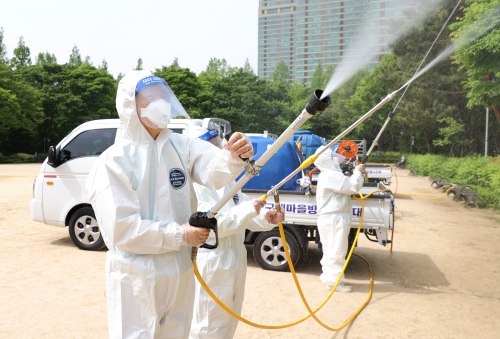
(60, 197)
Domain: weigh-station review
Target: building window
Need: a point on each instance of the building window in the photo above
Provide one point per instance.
(314, 31)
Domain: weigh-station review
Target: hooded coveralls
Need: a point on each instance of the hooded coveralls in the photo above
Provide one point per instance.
(141, 191)
(334, 212)
(224, 268)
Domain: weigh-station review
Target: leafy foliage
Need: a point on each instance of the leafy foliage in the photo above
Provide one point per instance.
(480, 57)
(20, 111)
(21, 55)
(3, 49)
(483, 174)
(75, 59)
(46, 100)
(17, 158)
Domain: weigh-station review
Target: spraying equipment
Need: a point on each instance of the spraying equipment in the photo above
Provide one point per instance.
(252, 167)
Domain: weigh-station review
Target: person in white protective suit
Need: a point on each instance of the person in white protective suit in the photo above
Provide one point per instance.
(334, 213)
(142, 194)
(224, 268)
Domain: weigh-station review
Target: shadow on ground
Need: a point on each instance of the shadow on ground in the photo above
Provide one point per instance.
(411, 272)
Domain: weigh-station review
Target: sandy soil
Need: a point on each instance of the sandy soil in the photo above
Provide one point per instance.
(441, 280)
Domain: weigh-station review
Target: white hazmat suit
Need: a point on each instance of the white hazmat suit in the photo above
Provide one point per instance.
(141, 191)
(224, 268)
(334, 213)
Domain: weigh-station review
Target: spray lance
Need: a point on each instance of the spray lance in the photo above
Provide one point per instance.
(252, 167)
(312, 158)
(375, 142)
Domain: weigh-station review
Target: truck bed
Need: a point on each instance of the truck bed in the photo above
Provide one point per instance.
(302, 210)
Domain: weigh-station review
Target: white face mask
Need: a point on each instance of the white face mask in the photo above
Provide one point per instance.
(157, 114)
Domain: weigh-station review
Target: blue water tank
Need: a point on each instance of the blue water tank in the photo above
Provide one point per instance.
(310, 143)
(280, 165)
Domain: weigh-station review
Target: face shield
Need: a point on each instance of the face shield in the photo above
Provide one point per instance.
(156, 103)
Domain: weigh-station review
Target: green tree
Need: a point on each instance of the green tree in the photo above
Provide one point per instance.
(139, 65)
(281, 74)
(3, 49)
(451, 133)
(247, 67)
(46, 58)
(319, 80)
(239, 96)
(75, 59)
(175, 63)
(71, 95)
(21, 55)
(339, 115)
(217, 68)
(435, 95)
(20, 113)
(374, 86)
(104, 65)
(480, 57)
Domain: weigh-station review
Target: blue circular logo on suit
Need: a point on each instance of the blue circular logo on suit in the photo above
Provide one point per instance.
(177, 178)
(236, 199)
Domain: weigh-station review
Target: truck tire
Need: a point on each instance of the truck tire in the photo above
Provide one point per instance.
(84, 230)
(269, 253)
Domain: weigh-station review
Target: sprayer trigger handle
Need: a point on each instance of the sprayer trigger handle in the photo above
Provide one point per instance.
(201, 219)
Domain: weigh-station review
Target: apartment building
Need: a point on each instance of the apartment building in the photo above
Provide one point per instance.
(303, 33)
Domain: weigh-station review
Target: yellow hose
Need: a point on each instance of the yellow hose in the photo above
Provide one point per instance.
(292, 269)
(424, 196)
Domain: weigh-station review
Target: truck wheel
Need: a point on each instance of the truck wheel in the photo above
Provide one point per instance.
(84, 230)
(269, 253)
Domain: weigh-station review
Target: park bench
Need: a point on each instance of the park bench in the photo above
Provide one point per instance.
(444, 184)
(455, 189)
(434, 180)
(441, 183)
(468, 194)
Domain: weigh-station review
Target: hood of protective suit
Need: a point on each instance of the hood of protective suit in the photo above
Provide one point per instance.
(195, 130)
(133, 130)
(125, 105)
(326, 162)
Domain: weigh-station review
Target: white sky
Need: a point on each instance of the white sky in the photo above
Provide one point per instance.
(123, 31)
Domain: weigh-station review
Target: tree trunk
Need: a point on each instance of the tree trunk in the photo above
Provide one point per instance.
(429, 143)
(497, 111)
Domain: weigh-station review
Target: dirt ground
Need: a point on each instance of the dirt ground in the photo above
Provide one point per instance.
(441, 280)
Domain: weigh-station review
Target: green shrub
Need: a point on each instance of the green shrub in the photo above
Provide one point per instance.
(18, 158)
(385, 157)
(476, 171)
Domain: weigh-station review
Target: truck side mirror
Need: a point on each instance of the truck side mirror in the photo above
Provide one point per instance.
(53, 156)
